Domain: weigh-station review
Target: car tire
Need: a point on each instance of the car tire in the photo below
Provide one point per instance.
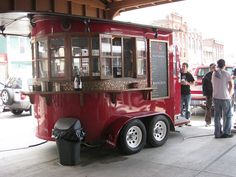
(7, 96)
(1, 105)
(30, 110)
(16, 111)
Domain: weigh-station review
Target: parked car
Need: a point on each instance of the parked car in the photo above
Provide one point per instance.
(2, 106)
(197, 98)
(12, 96)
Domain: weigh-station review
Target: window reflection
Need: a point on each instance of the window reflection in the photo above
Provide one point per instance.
(95, 56)
(42, 49)
(141, 67)
(42, 58)
(128, 57)
(57, 53)
(107, 67)
(80, 55)
(141, 48)
(43, 68)
(106, 46)
(102, 55)
(96, 66)
(141, 57)
(57, 68)
(116, 53)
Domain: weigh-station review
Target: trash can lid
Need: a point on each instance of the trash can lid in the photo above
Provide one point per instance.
(67, 123)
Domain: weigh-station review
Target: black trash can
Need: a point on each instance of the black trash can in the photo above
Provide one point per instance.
(68, 134)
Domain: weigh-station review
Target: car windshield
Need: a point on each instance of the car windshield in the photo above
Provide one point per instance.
(15, 83)
(1, 86)
(229, 69)
(202, 72)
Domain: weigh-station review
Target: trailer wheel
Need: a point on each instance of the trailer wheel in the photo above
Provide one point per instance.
(132, 137)
(158, 131)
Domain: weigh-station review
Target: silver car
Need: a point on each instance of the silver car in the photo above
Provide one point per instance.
(12, 97)
(2, 106)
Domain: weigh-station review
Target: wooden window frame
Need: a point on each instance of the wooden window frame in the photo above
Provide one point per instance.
(38, 59)
(137, 58)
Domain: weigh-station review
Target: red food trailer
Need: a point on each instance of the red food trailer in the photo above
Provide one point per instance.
(129, 91)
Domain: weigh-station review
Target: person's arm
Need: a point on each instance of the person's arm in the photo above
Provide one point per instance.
(230, 88)
(191, 82)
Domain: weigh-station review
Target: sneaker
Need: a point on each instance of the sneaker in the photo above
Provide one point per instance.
(218, 137)
(188, 124)
(227, 136)
(207, 125)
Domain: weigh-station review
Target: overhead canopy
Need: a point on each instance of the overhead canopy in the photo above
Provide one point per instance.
(114, 7)
(15, 15)
(15, 24)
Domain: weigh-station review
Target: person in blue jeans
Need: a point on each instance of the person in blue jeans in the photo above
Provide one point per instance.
(234, 80)
(186, 80)
(222, 93)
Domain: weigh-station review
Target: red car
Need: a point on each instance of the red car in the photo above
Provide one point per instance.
(197, 98)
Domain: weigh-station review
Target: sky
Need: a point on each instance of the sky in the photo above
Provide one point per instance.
(213, 18)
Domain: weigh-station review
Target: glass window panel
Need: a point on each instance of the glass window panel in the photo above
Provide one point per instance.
(117, 67)
(58, 68)
(128, 57)
(116, 50)
(107, 67)
(81, 66)
(43, 68)
(34, 69)
(57, 47)
(80, 46)
(42, 49)
(141, 67)
(76, 66)
(116, 46)
(106, 46)
(141, 48)
(96, 66)
(95, 46)
(33, 50)
(85, 66)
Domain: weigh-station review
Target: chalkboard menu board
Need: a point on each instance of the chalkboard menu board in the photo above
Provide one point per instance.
(159, 68)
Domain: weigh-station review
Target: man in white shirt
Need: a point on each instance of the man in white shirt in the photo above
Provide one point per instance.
(222, 92)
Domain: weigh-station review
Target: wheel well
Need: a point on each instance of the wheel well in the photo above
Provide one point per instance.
(147, 119)
(112, 132)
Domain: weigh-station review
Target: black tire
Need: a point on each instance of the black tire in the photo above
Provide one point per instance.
(7, 96)
(132, 137)
(16, 111)
(1, 105)
(158, 131)
(30, 110)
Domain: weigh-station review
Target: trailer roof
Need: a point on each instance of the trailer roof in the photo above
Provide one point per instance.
(20, 23)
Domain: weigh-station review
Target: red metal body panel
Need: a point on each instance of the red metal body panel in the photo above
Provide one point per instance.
(96, 112)
(99, 116)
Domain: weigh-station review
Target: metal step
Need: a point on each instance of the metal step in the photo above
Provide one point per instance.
(181, 121)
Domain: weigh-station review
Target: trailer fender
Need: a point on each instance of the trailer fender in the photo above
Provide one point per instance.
(113, 130)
